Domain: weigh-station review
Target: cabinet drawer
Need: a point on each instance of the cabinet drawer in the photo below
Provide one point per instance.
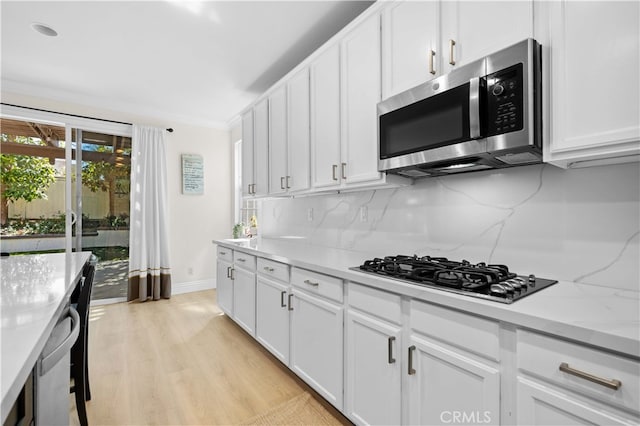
(376, 302)
(225, 253)
(542, 356)
(313, 282)
(244, 261)
(475, 334)
(273, 269)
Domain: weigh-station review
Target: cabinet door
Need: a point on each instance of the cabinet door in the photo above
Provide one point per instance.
(410, 31)
(360, 95)
(447, 384)
(278, 141)
(374, 376)
(541, 405)
(316, 345)
(325, 118)
(261, 147)
(244, 299)
(298, 127)
(479, 28)
(594, 84)
(247, 153)
(224, 287)
(272, 317)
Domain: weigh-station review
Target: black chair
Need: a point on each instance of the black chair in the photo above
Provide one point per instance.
(81, 297)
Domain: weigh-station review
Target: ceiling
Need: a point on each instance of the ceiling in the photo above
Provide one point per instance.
(195, 62)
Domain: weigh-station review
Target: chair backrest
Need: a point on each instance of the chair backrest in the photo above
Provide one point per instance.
(84, 298)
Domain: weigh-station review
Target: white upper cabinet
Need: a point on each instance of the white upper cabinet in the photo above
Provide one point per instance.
(410, 42)
(261, 147)
(278, 175)
(325, 118)
(360, 95)
(591, 63)
(247, 153)
(298, 131)
(473, 29)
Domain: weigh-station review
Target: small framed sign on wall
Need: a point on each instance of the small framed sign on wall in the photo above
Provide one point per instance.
(192, 174)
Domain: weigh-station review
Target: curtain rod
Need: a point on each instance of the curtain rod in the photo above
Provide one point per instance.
(170, 129)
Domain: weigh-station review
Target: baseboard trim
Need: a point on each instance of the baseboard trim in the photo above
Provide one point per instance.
(191, 286)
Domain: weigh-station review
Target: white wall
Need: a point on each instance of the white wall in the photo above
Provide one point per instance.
(194, 219)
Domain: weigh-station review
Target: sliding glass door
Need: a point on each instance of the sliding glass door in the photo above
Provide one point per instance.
(65, 187)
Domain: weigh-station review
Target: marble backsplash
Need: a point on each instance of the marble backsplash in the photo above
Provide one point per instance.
(574, 225)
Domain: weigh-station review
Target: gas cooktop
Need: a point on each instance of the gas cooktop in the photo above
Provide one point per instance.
(490, 282)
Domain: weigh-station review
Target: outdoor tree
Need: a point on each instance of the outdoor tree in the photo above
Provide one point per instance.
(23, 177)
(104, 176)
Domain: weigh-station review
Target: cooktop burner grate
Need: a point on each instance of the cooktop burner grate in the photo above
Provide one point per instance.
(487, 281)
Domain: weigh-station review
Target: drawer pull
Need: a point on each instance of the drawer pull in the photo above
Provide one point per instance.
(391, 359)
(241, 260)
(412, 370)
(231, 274)
(228, 271)
(223, 253)
(611, 384)
(311, 283)
(283, 304)
(266, 268)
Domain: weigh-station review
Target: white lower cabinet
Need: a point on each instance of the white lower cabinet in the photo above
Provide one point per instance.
(316, 344)
(448, 387)
(224, 284)
(374, 376)
(453, 367)
(565, 383)
(273, 306)
(244, 291)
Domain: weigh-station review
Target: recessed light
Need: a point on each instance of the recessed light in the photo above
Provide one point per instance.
(44, 29)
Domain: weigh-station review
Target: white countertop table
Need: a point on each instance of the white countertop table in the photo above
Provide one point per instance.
(34, 291)
(601, 316)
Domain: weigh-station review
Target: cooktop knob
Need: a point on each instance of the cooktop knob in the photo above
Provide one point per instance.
(498, 290)
(497, 89)
(532, 280)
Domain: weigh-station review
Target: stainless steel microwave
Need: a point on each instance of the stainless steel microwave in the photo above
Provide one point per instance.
(483, 115)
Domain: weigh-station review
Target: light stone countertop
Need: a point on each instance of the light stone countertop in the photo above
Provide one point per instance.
(34, 292)
(605, 317)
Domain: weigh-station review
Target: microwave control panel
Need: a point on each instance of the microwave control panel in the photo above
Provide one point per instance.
(505, 109)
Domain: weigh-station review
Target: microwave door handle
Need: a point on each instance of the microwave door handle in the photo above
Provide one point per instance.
(474, 108)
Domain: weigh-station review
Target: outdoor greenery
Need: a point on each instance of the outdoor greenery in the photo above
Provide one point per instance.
(56, 225)
(104, 176)
(23, 177)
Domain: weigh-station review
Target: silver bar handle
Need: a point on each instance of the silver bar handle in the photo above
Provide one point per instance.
(611, 384)
(452, 43)
(223, 253)
(268, 269)
(344, 170)
(282, 302)
(232, 276)
(50, 360)
(474, 108)
(241, 259)
(390, 357)
(289, 301)
(432, 55)
(228, 271)
(311, 283)
(411, 370)
(249, 188)
(334, 172)
(288, 185)
(282, 182)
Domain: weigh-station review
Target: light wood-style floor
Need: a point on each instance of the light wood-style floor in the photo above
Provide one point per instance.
(180, 361)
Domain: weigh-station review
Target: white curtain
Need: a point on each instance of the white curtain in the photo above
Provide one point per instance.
(149, 271)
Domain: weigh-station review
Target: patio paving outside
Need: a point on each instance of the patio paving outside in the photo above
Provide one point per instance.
(111, 279)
